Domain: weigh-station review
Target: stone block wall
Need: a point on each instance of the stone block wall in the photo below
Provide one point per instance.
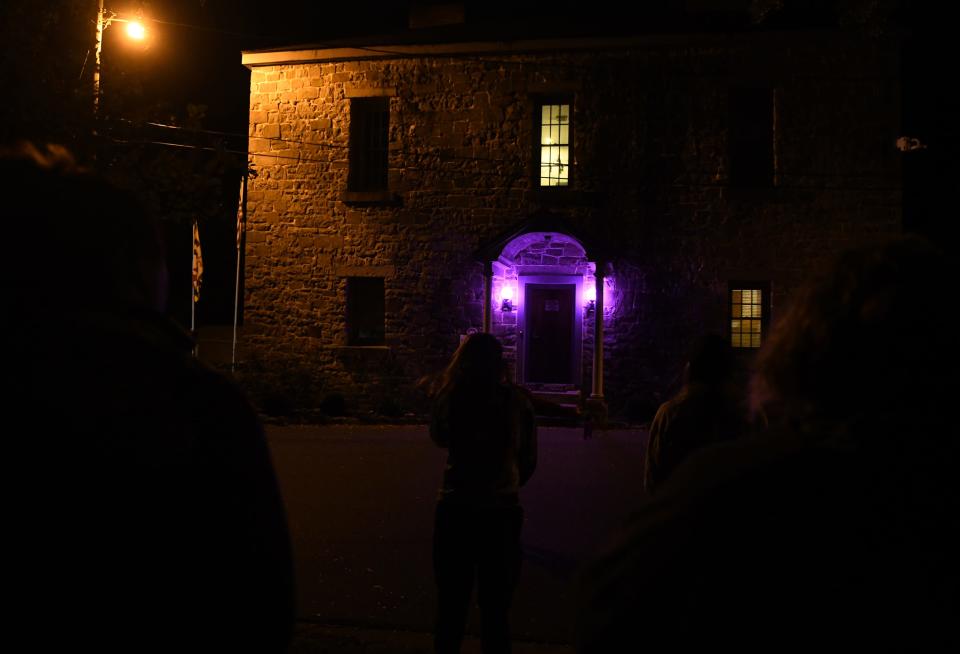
(650, 157)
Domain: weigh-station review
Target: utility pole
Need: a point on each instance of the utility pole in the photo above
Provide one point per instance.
(135, 30)
(101, 24)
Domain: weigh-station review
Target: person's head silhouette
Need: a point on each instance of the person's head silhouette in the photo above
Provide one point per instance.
(478, 359)
(127, 442)
(709, 360)
(478, 362)
(80, 243)
(865, 345)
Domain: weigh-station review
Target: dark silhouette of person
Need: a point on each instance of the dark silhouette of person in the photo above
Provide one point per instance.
(487, 426)
(834, 530)
(704, 412)
(143, 510)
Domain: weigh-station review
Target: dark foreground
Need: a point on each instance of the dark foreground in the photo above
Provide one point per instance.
(360, 504)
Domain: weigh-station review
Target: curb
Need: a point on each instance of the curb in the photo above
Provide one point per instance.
(321, 638)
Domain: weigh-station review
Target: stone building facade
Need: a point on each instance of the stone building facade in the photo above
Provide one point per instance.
(366, 281)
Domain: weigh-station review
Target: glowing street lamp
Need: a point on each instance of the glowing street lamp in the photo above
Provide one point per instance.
(135, 30)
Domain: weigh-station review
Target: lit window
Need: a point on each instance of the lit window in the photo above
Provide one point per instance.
(365, 311)
(749, 313)
(554, 125)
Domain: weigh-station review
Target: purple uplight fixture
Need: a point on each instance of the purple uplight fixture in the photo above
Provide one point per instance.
(590, 297)
(506, 297)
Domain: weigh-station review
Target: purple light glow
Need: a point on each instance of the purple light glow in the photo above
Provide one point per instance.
(589, 292)
(508, 292)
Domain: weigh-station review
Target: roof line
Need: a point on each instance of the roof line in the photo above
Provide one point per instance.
(315, 54)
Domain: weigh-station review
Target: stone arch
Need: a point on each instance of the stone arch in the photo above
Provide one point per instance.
(545, 262)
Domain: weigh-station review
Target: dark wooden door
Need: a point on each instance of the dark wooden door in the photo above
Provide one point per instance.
(549, 315)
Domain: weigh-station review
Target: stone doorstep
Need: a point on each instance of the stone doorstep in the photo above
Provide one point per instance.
(563, 398)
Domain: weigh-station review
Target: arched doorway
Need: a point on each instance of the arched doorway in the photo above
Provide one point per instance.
(546, 273)
(540, 300)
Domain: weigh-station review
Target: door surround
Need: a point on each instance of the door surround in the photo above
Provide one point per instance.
(576, 353)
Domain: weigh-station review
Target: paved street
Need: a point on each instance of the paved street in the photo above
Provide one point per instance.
(360, 501)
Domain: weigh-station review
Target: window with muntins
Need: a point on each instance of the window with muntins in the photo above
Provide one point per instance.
(369, 132)
(749, 314)
(751, 146)
(554, 151)
(365, 311)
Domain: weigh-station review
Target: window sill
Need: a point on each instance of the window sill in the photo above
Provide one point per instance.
(741, 353)
(369, 197)
(564, 196)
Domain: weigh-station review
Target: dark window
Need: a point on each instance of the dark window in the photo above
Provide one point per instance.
(751, 137)
(553, 131)
(749, 313)
(369, 127)
(365, 311)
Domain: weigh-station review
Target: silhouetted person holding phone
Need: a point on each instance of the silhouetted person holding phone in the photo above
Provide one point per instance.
(836, 530)
(707, 410)
(487, 425)
(146, 515)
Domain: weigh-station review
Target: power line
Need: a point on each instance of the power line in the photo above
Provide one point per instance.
(455, 157)
(513, 175)
(298, 158)
(203, 28)
(331, 146)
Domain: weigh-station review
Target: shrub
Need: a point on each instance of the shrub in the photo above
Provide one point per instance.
(282, 388)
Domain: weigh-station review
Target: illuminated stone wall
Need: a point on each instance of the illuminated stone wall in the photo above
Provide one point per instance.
(650, 179)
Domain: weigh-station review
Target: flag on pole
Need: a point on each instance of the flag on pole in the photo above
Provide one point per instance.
(240, 215)
(197, 263)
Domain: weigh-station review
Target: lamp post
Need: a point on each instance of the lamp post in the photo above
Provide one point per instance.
(96, 62)
(135, 30)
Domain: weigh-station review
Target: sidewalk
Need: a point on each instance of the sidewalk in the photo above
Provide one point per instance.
(311, 638)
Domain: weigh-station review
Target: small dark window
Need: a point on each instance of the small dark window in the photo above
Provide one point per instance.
(365, 311)
(369, 131)
(751, 137)
(553, 130)
(749, 313)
